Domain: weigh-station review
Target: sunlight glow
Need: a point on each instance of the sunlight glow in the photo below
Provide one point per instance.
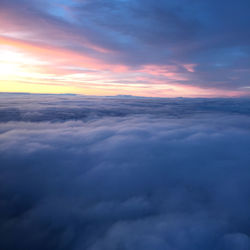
(22, 70)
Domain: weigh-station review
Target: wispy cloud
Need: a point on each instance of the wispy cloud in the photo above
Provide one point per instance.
(196, 42)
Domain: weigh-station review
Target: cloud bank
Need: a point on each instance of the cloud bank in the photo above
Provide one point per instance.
(143, 180)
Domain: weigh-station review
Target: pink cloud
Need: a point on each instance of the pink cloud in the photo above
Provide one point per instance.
(190, 67)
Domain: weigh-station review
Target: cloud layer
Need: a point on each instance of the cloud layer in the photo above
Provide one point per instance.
(143, 180)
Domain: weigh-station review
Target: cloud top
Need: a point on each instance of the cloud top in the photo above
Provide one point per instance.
(146, 178)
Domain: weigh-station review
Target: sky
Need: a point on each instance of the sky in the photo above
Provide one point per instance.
(161, 48)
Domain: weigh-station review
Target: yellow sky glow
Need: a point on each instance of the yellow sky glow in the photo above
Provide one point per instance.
(29, 68)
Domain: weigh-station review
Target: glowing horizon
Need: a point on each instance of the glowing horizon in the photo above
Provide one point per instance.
(56, 52)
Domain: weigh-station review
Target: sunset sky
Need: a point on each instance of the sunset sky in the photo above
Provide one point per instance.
(163, 48)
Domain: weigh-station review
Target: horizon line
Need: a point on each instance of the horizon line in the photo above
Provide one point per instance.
(125, 96)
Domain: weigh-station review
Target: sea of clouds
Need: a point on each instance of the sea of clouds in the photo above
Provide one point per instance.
(121, 173)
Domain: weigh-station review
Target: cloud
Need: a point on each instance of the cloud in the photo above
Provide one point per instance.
(131, 35)
(144, 178)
